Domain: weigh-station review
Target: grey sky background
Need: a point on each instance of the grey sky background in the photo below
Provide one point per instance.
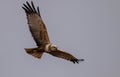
(88, 29)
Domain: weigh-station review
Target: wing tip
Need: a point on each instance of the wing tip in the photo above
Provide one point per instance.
(76, 60)
(29, 8)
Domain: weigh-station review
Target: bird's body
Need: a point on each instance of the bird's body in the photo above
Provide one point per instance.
(40, 35)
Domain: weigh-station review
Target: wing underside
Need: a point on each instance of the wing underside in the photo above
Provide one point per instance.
(65, 55)
(36, 24)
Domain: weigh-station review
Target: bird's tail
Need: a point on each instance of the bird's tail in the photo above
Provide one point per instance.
(34, 52)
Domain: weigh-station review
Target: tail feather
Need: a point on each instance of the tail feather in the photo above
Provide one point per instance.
(34, 52)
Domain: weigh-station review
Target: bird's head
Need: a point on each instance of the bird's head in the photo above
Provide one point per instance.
(53, 47)
(50, 47)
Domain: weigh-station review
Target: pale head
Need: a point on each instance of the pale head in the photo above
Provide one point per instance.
(53, 47)
(50, 47)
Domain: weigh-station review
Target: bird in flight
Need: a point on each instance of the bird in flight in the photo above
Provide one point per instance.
(40, 35)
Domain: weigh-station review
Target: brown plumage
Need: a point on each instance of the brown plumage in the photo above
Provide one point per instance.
(40, 35)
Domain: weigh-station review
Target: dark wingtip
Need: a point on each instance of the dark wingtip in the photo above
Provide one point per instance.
(81, 60)
(76, 60)
(30, 8)
(38, 11)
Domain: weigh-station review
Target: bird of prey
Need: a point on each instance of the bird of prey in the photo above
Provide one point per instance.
(40, 35)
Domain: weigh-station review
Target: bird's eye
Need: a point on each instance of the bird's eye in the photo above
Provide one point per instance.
(53, 48)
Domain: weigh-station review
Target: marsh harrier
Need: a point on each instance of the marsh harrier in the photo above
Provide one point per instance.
(40, 35)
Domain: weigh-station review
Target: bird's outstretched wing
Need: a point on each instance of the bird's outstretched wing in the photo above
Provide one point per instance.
(65, 55)
(36, 24)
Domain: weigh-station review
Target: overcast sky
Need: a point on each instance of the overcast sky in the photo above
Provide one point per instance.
(88, 29)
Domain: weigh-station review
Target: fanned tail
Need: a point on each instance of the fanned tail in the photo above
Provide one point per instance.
(34, 52)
